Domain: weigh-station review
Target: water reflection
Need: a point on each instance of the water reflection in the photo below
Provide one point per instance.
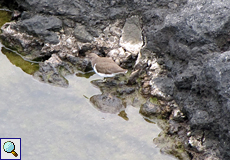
(60, 123)
(17, 60)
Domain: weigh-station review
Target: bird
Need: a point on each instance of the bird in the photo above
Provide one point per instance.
(104, 66)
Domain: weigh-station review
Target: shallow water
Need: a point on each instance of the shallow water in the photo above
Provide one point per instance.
(61, 123)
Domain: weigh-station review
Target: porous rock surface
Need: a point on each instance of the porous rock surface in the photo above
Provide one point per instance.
(184, 51)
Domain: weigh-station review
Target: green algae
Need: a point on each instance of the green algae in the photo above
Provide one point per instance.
(154, 100)
(5, 16)
(17, 60)
(26, 66)
(171, 145)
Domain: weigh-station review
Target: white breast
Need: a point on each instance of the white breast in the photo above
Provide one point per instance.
(102, 74)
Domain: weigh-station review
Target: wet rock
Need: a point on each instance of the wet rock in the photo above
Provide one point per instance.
(107, 83)
(27, 45)
(123, 114)
(115, 86)
(49, 71)
(54, 70)
(126, 90)
(173, 127)
(149, 109)
(171, 145)
(133, 77)
(107, 103)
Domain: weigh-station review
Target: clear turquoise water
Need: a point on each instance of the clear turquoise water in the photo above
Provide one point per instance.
(60, 123)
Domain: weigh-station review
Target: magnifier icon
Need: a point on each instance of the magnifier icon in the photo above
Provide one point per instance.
(9, 147)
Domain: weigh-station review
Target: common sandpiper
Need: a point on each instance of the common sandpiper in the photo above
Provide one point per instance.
(104, 66)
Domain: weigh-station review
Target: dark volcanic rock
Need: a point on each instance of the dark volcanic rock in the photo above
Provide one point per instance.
(212, 86)
(191, 42)
(41, 26)
(81, 34)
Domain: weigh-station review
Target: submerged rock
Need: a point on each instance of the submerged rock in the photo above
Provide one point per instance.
(107, 103)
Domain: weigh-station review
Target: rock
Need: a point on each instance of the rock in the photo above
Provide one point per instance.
(173, 127)
(212, 87)
(81, 34)
(177, 115)
(133, 77)
(200, 118)
(197, 143)
(131, 39)
(149, 109)
(53, 7)
(107, 103)
(119, 55)
(184, 82)
(41, 26)
(16, 14)
(50, 69)
(162, 88)
(25, 44)
(192, 42)
(126, 90)
(171, 145)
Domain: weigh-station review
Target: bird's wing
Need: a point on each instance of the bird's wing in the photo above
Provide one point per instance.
(109, 68)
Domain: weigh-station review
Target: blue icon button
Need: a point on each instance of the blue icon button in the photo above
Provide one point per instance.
(9, 147)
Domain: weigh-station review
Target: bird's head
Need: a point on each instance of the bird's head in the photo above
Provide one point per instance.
(92, 56)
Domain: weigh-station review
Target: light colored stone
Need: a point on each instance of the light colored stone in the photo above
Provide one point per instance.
(131, 39)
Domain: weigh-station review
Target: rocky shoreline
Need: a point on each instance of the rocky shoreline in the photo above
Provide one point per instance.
(177, 52)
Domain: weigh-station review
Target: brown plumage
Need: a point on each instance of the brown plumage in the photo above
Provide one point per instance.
(105, 66)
